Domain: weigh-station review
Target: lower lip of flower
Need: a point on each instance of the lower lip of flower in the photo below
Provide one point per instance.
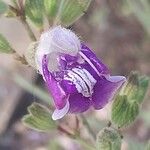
(83, 81)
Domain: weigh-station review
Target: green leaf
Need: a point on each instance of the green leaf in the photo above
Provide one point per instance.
(135, 87)
(143, 87)
(5, 46)
(3, 7)
(34, 11)
(126, 105)
(51, 7)
(39, 118)
(147, 146)
(130, 89)
(123, 111)
(108, 139)
(70, 10)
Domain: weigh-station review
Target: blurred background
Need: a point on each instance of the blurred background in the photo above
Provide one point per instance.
(118, 32)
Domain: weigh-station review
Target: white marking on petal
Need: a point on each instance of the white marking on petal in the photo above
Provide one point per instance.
(60, 113)
(83, 81)
(90, 63)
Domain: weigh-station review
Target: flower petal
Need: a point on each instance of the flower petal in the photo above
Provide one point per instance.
(59, 113)
(79, 103)
(93, 61)
(58, 94)
(105, 90)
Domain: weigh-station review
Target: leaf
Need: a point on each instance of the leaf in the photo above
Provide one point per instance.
(135, 87)
(3, 7)
(70, 10)
(51, 7)
(143, 87)
(108, 139)
(130, 89)
(126, 105)
(34, 11)
(123, 111)
(5, 46)
(39, 118)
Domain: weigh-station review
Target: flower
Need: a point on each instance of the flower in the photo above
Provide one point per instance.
(75, 77)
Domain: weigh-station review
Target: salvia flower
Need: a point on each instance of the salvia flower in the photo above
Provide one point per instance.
(75, 77)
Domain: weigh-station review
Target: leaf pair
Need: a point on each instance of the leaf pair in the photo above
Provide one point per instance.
(63, 12)
(126, 105)
(39, 118)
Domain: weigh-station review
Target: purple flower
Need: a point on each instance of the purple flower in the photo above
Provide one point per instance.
(75, 77)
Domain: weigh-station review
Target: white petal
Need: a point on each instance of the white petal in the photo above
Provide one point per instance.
(58, 114)
(115, 78)
(57, 40)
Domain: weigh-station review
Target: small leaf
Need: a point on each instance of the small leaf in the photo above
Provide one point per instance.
(108, 139)
(30, 54)
(130, 89)
(39, 118)
(5, 46)
(126, 105)
(34, 11)
(135, 87)
(71, 10)
(123, 111)
(3, 7)
(51, 7)
(143, 86)
(147, 146)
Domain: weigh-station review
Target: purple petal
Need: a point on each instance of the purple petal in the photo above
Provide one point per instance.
(79, 103)
(101, 68)
(54, 87)
(105, 89)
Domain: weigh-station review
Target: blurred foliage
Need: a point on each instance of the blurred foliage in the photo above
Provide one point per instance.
(108, 139)
(4, 45)
(126, 105)
(141, 9)
(3, 7)
(148, 146)
(34, 11)
(64, 12)
(39, 118)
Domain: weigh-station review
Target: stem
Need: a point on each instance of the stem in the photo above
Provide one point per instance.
(21, 14)
(85, 122)
(32, 88)
(28, 29)
(76, 137)
(84, 143)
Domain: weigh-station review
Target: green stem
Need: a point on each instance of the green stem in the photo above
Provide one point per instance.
(32, 88)
(85, 122)
(75, 137)
(21, 14)
(84, 143)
